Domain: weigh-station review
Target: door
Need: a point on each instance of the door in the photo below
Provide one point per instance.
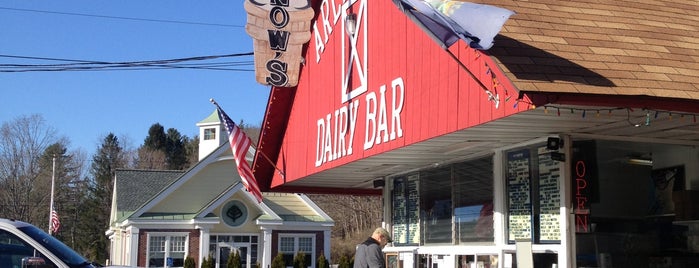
(224, 249)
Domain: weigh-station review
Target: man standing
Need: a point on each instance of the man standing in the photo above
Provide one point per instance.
(369, 254)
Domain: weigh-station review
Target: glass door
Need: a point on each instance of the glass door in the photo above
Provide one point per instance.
(224, 250)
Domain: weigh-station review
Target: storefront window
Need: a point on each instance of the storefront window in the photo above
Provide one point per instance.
(473, 198)
(435, 205)
(438, 205)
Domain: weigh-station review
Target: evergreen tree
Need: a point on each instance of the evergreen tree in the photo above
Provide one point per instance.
(192, 150)
(156, 139)
(300, 260)
(189, 262)
(322, 262)
(344, 262)
(95, 217)
(176, 153)
(278, 261)
(208, 262)
(205, 262)
(234, 260)
(67, 189)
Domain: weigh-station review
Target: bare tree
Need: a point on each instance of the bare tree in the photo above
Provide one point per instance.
(22, 142)
(355, 218)
(150, 159)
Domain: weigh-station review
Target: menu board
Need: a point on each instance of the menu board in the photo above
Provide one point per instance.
(549, 197)
(413, 210)
(406, 210)
(400, 221)
(519, 195)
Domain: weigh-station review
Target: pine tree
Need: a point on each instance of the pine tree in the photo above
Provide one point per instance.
(189, 262)
(300, 260)
(234, 260)
(175, 153)
(95, 217)
(67, 189)
(322, 262)
(156, 139)
(344, 262)
(278, 261)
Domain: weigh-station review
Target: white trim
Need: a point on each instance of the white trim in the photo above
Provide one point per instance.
(228, 193)
(315, 207)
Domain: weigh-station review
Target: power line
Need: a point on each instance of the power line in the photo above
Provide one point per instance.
(89, 65)
(121, 18)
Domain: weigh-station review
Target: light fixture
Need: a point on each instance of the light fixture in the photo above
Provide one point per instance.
(554, 143)
(378, 183)
(351, 24)
(640, 161)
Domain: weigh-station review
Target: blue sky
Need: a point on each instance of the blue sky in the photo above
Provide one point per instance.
(84, 106)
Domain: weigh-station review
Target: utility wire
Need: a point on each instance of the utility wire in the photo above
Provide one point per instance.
(88, 65)
(122, 18)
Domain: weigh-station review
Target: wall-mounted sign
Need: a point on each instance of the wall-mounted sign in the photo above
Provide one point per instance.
(234, 213)
(279, 30)
(584, 169)
(549, 197)
(519, 195)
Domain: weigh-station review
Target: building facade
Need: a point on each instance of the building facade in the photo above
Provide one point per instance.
(159, 218)
(571, 142)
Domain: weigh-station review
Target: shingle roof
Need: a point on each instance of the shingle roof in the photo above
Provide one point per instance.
(135, 187)
(601, 47)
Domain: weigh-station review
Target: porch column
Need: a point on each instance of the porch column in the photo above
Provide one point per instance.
(326, 245)
(204, 238)
(132, 253)
(566, 256)
(267, 248)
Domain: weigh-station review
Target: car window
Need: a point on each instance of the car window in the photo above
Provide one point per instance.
(13, 249)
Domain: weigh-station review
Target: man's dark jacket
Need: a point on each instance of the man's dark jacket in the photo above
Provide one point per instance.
(369, 255)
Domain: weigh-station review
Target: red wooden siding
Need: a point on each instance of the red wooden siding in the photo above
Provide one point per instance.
(439, 95)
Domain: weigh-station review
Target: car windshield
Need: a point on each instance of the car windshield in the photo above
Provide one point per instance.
(63, 252)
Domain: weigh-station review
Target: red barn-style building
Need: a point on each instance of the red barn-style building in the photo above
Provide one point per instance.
(571, 142)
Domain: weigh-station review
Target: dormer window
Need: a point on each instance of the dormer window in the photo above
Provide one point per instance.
(209, 133)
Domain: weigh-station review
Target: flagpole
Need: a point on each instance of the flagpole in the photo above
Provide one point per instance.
(271, 163)
(261, 153)
(53, 179)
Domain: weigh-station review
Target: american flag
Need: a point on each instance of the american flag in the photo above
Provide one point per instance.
(55, 222)
(240, 143)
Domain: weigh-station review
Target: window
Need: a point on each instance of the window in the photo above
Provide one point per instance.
(167, 250)
(451, 204)
(473, 200)
(435, 205)
(209, 133)
(290, 245)
(13, 249)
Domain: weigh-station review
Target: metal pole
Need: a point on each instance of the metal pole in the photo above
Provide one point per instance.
(53, 178)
